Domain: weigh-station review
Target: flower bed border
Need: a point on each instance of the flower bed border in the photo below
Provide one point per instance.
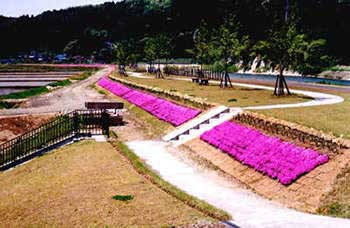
(176, 96)
(328, 143)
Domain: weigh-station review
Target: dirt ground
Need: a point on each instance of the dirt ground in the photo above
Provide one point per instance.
(11, 127)
(74, 186)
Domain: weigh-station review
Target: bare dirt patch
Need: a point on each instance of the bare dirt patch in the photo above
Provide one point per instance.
(74, 186)
(11, 127)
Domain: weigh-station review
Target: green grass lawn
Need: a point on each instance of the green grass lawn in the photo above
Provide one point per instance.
(337, 202)
(328, 118)
(80, 185)
(333, 119)
(234, 97)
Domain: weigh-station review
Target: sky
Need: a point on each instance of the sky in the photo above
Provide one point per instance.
(15, 8)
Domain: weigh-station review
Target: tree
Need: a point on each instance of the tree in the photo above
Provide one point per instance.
(125, 53)
(150, 50)
(287, 49)
(202, 40)
(228, 47)
(158, 47)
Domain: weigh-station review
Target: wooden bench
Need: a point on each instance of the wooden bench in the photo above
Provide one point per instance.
(203, 81)
(104, 105)
(115, 120)
(195, 80)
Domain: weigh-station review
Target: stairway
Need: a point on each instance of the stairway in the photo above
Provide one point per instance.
(199, 125)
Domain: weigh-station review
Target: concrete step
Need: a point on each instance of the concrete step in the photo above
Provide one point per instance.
(206, 125)
(197, 121)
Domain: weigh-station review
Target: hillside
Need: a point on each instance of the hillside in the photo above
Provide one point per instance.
(52, 30)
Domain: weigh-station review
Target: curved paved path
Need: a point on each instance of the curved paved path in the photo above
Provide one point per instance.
(63, 100)
(318, 98)
(246, 208)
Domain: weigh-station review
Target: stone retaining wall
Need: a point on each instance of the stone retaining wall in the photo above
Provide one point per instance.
(317, 139)
(184, 98)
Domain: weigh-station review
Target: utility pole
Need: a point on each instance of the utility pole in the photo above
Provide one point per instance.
(287, 8)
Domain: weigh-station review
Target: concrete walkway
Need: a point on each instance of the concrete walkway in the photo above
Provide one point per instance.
(246, 208)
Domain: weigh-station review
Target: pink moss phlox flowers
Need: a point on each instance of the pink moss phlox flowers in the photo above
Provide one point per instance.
(268, 155)
(160, 108)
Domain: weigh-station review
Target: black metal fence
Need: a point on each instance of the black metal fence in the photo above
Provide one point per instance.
(194, 72)
(77, 123)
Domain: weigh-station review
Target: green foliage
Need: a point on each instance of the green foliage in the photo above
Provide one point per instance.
(338, 68)
(222, 47)
(83, 76)
(123, 198)
(229, 45)
(157, 47)
(171, 69)
(115, 21)
(202, 45)
(91, 41)
(6, 105)
(218, 66)
(61, 83)
(289, 49)
(26, 93)
(150, 50)
(125, 52)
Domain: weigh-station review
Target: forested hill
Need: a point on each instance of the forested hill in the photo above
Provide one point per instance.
(53, 30)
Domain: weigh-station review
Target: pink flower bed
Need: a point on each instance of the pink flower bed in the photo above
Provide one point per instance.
(162, 109)
(268, 155)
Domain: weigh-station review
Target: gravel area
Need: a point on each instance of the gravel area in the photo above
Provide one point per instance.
(63, 100)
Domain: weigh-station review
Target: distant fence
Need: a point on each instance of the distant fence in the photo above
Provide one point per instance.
(193, 72)
(77, 123)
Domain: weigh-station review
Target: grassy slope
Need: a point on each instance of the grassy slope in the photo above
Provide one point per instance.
(75, 185)
(236, 96)
(337, 201)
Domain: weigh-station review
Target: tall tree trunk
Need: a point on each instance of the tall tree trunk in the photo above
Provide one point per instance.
(225, 79)
(287, 12)
(281, 83)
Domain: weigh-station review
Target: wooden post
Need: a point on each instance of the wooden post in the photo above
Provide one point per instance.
(76, 123)
(105, 123)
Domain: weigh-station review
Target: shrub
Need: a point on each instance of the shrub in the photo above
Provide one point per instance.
(174, 70)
